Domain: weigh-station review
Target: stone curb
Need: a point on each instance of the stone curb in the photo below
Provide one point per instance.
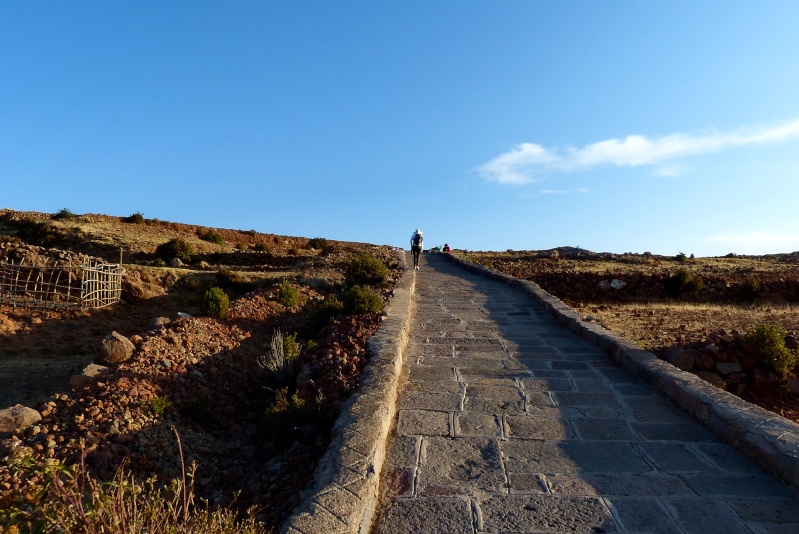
(767, 439)
(346, 482)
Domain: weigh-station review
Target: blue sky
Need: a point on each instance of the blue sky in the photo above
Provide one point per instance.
(614, 126)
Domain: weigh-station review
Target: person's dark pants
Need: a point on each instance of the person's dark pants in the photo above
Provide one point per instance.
(416, 252)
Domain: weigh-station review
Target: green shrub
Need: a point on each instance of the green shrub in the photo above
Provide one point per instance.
(136, 218)
(290, 412)
(317, 243)
(261, 247)
(211, 236)
(362, 299)
(750, 289)
(683, 283)
(175, 248)
(159, 405)
(281, 357)
(768, 342)
(64, 213)
(215, 302)
(320, 316)
(288, 295)
(681, 257)
(366, 270)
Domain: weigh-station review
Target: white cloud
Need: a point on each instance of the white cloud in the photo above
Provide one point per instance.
(528, 162)
(563, 191)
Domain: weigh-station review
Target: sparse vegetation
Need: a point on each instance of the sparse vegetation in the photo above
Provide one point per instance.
(362, 299)
(750, 288)
(289, 412)
(288, 295)
(683, 283)
(261, 247)
(159, 405)
(768, 341)
(215, 302)
(70, 499)
(280, 358)
(175, 248)
(366, 270)
(331, 307)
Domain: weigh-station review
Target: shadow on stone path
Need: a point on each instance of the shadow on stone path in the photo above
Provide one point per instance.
(509, 423)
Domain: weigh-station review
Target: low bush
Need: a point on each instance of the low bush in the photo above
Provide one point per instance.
(366, 270)
(63, 213)
(136, 218)
(290, 413)
(317, 243)
(768, 342)
(750, 289)
(261, 247)
(320, 316)
(211, 236)
(288, 295)
(683, 283)
(281, 357)
(362, 299)
(215, 302)
(175, 248)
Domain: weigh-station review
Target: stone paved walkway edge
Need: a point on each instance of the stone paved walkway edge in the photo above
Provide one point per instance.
(769, 440)
(346, 482)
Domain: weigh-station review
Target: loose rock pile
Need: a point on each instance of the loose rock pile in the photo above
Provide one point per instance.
(727, 361)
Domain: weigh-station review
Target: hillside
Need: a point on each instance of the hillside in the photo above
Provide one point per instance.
(250, 432)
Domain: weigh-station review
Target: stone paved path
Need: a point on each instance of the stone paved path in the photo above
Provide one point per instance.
(509, 423)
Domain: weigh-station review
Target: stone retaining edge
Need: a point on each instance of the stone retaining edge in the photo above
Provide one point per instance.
(346, 482)
(769, 440)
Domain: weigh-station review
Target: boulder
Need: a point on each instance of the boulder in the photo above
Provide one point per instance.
(712, 378)
(680, 357)
(175, 262)
(726, 368)
(617, 284)
(704, 361)
(16, 418)
(116, 348)
(91, 374)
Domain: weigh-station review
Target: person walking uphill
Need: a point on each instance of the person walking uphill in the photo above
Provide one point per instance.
(417, 242)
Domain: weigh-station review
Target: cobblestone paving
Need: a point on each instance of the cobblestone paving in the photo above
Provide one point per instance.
(509, 423)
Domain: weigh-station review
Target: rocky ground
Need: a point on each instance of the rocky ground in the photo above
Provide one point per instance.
(701, 330)
(191, 380)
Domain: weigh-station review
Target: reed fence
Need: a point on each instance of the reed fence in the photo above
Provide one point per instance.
(91, 284)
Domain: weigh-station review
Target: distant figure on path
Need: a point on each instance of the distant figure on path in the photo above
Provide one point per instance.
(446, 248)
(417, 242)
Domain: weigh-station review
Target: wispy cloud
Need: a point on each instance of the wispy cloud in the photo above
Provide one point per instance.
(528, 162)
(564, 191)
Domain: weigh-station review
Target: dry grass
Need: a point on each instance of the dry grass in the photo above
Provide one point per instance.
(658, 325)
(69, 499)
